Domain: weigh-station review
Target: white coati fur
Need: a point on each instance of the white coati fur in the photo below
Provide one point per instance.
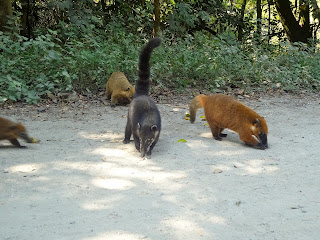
(144, 121)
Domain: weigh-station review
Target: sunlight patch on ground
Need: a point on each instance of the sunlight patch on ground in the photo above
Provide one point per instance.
(206, 134)
(184, 227)
(157, 176)
(25, 168)
(109, 152)
(177, 109)
(103, 204)
(230, 148)
(101, 136)
(160, 179)
(116, 235)
(216, 220)
(255, 167)
(229, 152)
(113, 183)
(170, 198)
(220, 168)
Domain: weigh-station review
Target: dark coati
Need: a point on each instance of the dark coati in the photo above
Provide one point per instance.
(144, 121)
(12, 131)
(224, 111)
(118, 89)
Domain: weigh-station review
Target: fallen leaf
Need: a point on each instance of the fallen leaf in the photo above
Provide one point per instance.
(34, 140)
(182, 140)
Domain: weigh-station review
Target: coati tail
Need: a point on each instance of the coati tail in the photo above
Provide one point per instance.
(195, 104)
(142, 84)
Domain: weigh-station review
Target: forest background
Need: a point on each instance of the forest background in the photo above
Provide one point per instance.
(53, 47)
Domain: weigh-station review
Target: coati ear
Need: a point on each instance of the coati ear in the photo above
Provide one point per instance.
(139, 125)
(154, 128)
(256, 122)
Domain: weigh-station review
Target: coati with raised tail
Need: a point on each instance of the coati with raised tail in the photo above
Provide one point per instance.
(12, 131)
(118, 89)
(144, 121)
(224, 111)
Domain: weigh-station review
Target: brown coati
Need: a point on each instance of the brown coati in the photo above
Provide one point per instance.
(118, 89)
(224, 111)
(12, 131)
(144, 121)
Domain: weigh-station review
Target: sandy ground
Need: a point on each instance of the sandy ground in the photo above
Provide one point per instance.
(81, 182)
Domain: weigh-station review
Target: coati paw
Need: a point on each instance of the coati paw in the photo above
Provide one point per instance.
(217, 138)
(125, 141)
(113, 105)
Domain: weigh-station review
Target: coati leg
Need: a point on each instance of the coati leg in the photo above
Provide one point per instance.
(16, 143)
(251, 140)
(216, 131)
(136, 142)
(128, 133)
(114, 98)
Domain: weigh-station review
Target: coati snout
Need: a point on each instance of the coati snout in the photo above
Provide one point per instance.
(259, 135)
(148, 137)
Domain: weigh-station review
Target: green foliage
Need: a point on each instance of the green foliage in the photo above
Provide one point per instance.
(203, 62)
(30, 69)
(48, 64)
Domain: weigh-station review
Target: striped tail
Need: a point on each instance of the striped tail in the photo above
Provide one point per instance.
(142, 84)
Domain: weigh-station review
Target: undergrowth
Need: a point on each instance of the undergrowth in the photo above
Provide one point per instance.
(50, 63)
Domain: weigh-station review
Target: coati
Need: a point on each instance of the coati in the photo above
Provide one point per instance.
(118, 89)
(144, 121)
(222, 111)
(12, 131)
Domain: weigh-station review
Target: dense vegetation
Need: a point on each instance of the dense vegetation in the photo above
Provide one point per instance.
(78, 47)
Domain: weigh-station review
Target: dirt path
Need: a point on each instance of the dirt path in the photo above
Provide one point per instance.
(81, 182)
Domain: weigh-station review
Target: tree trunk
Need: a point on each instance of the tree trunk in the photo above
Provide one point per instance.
(269, 20)
(25, 19)
(316, 15)
(294, 31)
(259, 19)
(5, 10)
(240, 25)
(156, 23)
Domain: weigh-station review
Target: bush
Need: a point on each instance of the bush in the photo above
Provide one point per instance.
(48, 64)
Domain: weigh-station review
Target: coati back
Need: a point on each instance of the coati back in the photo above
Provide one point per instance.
(12, 131)
(144, 121)
(118, 89)
(224, 111)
